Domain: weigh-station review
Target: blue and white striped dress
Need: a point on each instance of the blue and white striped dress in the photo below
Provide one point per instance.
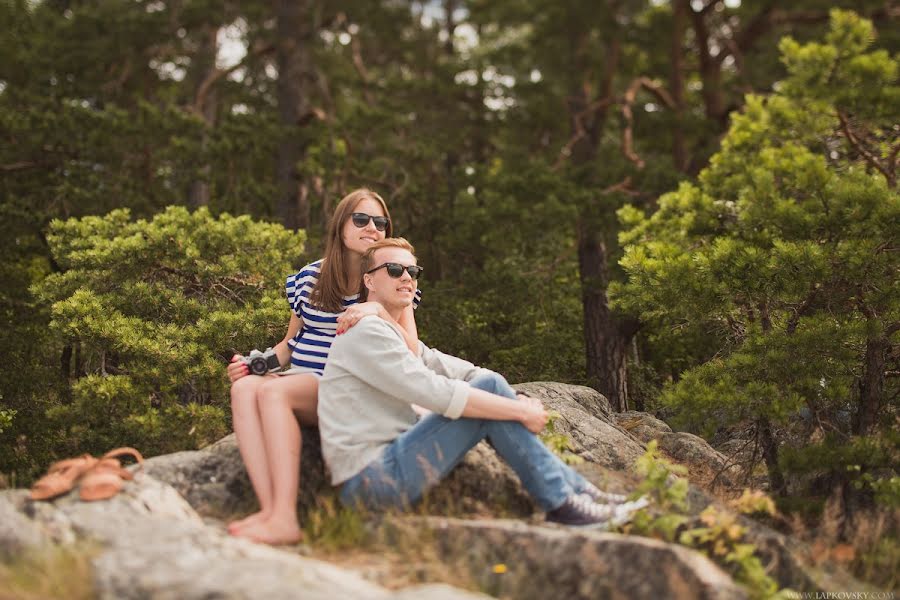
(311, 345)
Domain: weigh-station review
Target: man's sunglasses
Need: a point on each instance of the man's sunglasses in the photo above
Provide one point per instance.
(395, 270)
(362, 219)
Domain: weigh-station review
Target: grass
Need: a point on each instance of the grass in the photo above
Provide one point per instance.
(55, 572)
(389, 550)
(867, 546)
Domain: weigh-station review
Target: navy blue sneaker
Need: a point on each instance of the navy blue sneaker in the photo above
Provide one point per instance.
(580, 510)
(599, 496)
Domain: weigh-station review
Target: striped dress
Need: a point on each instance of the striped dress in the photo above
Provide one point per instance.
(311, 345)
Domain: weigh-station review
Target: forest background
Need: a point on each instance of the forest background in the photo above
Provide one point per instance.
(690, 205)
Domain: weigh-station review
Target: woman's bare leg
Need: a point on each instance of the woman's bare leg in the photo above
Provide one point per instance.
(280, 400)
(249, 432)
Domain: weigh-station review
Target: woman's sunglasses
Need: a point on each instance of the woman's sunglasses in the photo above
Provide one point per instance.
(395, 270)
(362, 219)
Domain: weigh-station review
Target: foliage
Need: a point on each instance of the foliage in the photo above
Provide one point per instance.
(505, 136)
(720, 536)
(783, 253)
(664, 485)
(6, 418)
(151, 311)
(333, 527)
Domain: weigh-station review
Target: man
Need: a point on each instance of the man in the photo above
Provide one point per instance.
(371, 439)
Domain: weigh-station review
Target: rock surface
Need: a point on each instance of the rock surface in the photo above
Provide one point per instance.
(548, 562)
(152, 544)
(694, 452)
(643, 426)
(586, 417)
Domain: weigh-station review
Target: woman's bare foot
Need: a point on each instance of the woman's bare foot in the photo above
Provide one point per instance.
(239, 524)
(274, 532)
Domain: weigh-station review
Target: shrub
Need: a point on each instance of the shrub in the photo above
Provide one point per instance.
(146, 313)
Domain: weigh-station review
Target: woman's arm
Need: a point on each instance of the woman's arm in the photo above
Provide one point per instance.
(282, 349)
(406, 324)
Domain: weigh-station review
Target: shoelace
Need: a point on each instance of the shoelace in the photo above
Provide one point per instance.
(598, 494)
(586, 505)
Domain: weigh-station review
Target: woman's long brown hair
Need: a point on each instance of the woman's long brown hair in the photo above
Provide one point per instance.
(334, 282)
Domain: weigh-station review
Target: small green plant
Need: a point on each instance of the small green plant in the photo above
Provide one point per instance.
(719, 537)
(887, 490)
(332, 526)
(667, 492)
(559, 443)
(6, 418)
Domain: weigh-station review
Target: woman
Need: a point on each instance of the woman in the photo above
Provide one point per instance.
(323, 298)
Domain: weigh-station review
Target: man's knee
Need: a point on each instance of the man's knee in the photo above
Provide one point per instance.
(491, 382)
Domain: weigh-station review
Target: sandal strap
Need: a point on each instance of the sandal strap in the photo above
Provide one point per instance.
(126, 451)
(78, 461)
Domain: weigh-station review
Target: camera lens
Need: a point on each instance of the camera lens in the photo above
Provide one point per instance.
(258, 366)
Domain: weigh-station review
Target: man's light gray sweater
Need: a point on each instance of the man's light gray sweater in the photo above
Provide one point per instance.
(371, 380)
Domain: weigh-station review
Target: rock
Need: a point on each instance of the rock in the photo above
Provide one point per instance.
(17, 532)
(214, 481)
(643, 426)
(588, 420)
(541, 562)
(152, 544)
(481, 484)
(589, 399)
(703, 461)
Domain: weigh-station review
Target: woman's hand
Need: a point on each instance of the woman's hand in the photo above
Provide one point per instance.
(353, 314)
(237, 369)
(535, 417)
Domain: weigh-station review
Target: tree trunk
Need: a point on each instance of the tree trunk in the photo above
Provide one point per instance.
(871, 385)
(770, 454)
(203, 63)
(606, 338)
(710, 72)
(680, 9)
(296, 26)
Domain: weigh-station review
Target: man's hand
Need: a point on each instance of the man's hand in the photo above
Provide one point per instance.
(353, 314)
(535, 416)
(236, 369)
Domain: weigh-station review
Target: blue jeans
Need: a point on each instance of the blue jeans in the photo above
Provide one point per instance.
(426, 453)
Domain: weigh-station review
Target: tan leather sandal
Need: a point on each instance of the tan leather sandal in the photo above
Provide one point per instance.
(105, 478)
(61, 477)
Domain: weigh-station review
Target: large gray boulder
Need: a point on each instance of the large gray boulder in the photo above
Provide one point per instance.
(214, 481)
(149, 543)
(705, 462)
(586, 417)
(641, 425)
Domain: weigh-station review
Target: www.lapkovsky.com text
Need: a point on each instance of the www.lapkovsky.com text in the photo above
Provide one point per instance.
(841, 595)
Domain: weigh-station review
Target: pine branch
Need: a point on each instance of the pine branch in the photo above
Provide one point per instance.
(870, 158)
(630, 94)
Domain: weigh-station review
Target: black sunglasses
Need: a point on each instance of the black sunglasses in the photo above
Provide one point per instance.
(362, 219)
(395, 270)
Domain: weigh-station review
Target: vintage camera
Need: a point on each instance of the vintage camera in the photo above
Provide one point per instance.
(261, 363)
